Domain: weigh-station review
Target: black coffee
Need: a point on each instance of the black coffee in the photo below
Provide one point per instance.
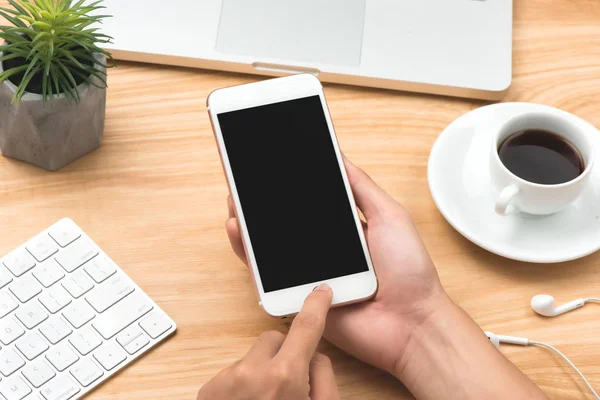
(541, 157)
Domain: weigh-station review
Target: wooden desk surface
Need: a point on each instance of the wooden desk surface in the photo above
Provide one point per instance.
(153, 196)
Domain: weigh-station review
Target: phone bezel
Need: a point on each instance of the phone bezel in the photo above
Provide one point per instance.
(347, 289)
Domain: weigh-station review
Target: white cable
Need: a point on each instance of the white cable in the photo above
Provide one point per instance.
(554, 349)
(594, 299)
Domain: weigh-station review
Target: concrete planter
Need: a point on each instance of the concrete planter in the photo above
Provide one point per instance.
(51, 135)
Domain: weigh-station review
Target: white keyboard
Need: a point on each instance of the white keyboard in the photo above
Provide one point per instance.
(70, 318)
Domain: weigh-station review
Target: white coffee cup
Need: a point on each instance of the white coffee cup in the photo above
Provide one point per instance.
(514, 194)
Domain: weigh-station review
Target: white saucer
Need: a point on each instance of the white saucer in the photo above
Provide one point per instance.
(458, 175)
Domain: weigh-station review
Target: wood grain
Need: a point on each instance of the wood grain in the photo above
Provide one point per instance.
(153, 196)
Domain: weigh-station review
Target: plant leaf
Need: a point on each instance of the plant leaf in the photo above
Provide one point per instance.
(8, 10)
(98, 75)
(32, 65)
(66, 72)
(42, 25)
(44, 85)
(33, 10)
(18, 7)
(13, 20)
(29, 74)
(9, 56)
(10, 72)
(89, 80)
(53, 75)
(13, 37)
(35, 50)
(65, 86)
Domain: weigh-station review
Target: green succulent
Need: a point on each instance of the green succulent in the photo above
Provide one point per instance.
(50, 46)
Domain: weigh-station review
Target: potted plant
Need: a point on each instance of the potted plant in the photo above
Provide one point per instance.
(52, 81)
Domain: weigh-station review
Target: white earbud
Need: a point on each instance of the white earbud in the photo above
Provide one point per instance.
(543, 304)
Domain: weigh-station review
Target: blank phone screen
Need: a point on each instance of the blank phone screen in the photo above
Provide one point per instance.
(292, 194)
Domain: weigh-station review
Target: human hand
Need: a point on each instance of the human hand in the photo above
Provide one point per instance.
(378, 331)
(282, 368)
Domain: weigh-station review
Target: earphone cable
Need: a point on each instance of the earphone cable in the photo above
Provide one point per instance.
(554, 349)
(594, 299)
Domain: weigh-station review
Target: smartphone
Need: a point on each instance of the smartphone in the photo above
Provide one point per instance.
(293, 201)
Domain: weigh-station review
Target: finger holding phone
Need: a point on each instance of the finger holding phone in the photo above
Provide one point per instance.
(411, 328)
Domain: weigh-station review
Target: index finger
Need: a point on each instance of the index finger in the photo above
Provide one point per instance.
(308, 326)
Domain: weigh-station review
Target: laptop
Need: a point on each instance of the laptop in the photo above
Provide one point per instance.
(449, 47)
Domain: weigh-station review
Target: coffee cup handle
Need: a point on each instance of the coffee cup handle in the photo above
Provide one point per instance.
(507, 194)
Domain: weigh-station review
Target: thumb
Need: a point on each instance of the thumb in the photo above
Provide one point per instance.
(370, 198)
(322, 379)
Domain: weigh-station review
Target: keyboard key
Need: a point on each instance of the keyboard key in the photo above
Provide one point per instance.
(55, 330)
(5, 276)
(110, 292)
(48, 273)
(79, 314)
(10, 361)
(7, 304)
(19, 262)
(41, 247)
(61, 356)
(61, 388)
(155, 324)
(10, 330)
(76, 255)
(55, 299)
(123, 314)
(64, 232)
(85, 340)
(86, 372)
(132, 339)
(77, 284)
(100, 269)
(109, 356)
(137, 344)
(32, 345)
(25, 289)
(14, 388)
(31, 315)
(129, 334)
(38, 373)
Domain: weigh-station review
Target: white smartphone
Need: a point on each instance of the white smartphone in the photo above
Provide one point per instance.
(297, 216)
